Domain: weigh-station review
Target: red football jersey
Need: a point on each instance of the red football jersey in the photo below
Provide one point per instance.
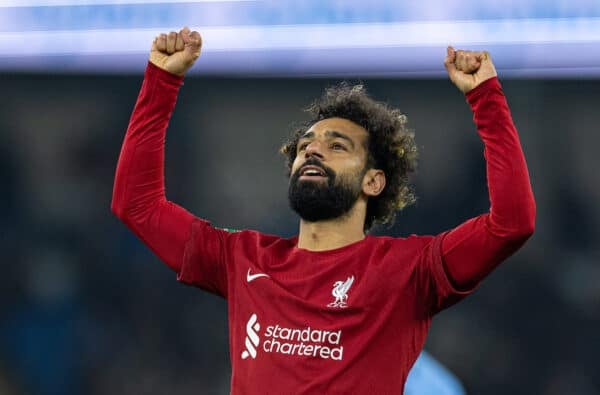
(351, 320)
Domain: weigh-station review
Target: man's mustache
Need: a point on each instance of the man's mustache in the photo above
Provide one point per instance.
(314, 162)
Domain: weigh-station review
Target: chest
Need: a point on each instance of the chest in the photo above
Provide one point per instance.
(337, 291)
(331, 285)
(315, 318)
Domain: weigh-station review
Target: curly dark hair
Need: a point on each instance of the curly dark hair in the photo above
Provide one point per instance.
(391, 146)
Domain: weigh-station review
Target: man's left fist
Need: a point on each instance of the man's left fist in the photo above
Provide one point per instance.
(467, 69)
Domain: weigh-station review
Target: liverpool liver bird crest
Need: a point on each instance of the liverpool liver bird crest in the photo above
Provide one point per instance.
(340, 292)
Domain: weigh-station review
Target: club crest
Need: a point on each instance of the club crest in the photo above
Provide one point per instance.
(340, 293)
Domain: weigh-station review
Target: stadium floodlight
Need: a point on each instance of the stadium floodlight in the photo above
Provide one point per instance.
(382, 38)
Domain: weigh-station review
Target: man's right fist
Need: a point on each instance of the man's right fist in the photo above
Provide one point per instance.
(176, 52)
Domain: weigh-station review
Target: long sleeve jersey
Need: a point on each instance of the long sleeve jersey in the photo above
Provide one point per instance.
(348, 320)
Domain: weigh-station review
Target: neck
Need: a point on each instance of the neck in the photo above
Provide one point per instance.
(333, 233)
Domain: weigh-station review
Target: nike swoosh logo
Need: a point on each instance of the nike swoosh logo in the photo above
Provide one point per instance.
(252, 277)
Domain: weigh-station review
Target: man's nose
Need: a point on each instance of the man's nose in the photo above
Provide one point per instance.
(314, 148)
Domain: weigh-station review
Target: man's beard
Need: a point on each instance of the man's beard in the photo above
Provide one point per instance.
(317, 200)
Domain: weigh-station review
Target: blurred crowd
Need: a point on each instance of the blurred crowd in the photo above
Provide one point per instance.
(85, 308)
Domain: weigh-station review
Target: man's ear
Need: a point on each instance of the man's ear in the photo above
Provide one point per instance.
(373, 182)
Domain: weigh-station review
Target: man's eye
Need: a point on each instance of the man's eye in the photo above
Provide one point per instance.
(302, 146)
(338, 146)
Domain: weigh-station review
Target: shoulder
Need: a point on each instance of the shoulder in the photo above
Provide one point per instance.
(411, 242)
(203, 229)
(255, 241)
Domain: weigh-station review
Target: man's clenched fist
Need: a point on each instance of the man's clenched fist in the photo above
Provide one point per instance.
(467, 69)
(176, 52)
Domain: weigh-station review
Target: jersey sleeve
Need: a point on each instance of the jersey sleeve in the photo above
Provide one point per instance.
(205, 257)
(139, 199)
(473, 249)
(457, 260)
(435, 285)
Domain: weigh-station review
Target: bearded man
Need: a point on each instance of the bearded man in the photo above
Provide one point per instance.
(333, 310)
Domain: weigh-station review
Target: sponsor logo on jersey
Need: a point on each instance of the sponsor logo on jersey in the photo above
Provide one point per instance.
(252, 339)
(298, 342)
(230, 230)
(340, 293)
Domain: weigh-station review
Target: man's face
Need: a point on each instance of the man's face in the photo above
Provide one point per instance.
(327, 174)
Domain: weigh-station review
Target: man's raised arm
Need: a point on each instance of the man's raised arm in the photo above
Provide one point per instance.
(139, 191)
(473, 249)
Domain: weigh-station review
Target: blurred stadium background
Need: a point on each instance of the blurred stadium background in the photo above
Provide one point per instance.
(85, 308)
